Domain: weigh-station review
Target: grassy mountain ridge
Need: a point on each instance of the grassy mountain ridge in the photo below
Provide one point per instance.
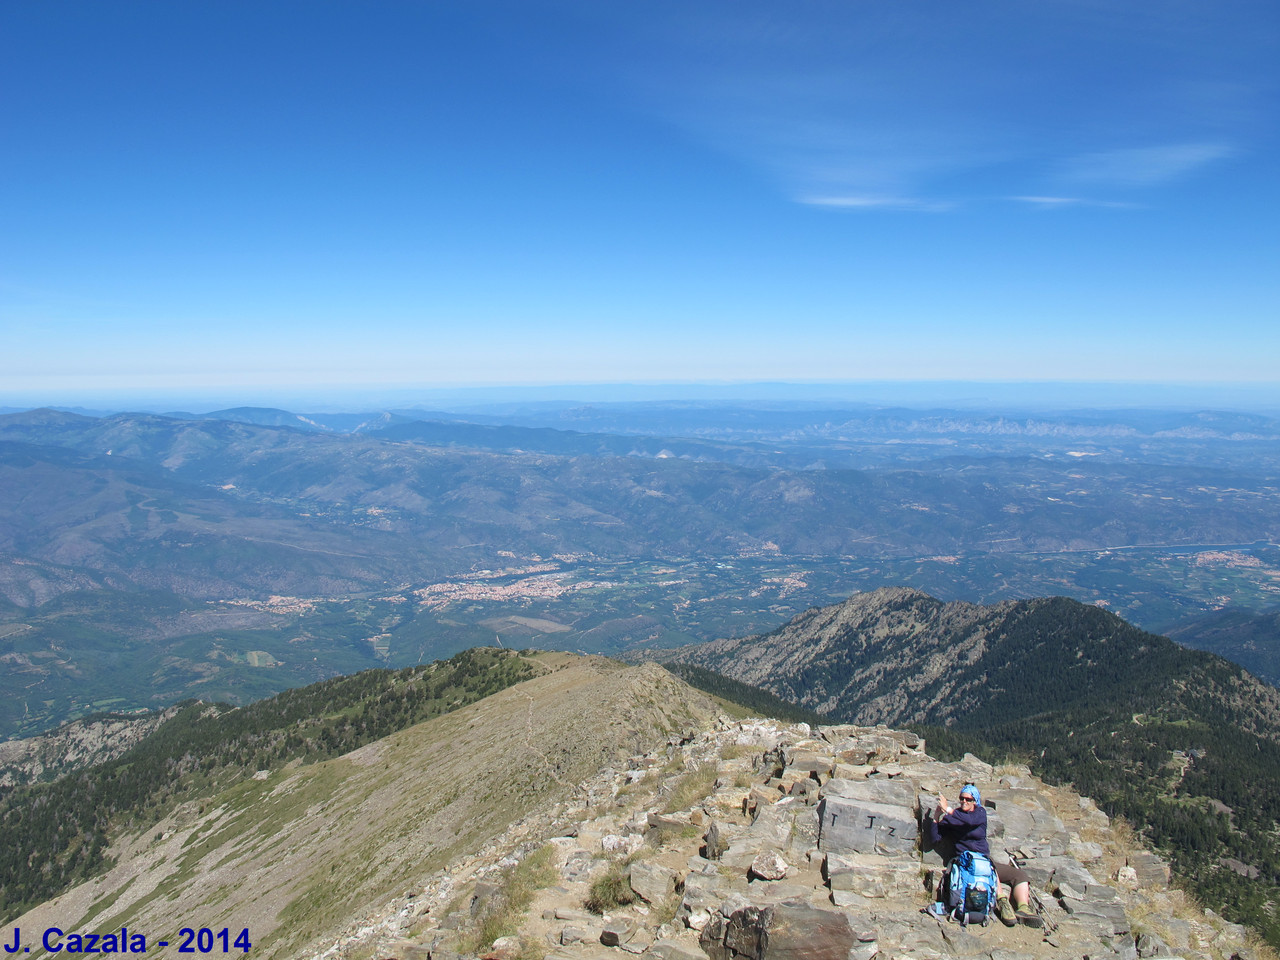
(294, 853)
(1184, 744)
(52, 834)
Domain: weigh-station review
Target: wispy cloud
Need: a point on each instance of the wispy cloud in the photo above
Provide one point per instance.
(866, 108)
(1144, 166)
(1050, 203)
(879, 203)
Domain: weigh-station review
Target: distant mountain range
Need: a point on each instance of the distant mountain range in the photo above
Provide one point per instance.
(148, 558)
(214, 508)
(800, 435)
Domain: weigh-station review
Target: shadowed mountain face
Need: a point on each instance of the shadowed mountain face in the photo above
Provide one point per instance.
(1249, 639)
(899, 656)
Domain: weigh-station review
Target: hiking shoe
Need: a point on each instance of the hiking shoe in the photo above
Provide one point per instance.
(1028, 917)
(1004, 910)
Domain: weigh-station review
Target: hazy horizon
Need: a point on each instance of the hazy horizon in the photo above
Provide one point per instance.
(979, 395)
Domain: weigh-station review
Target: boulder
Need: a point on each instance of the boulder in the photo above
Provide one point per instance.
(835, 732)
(484, 893)
(1150, 868)
(714, 842)
(1019, 825)
(1107, 917)
(703, 894)
(616, 932)
(674, 950)
(773, 824)
(976, 768)
(661, 821)
(1151, 945)
(652, 883)
(1127, 877)
(768, 865)
(621, 845)
(853, 771)
(960, 942)
(806, 790)
(1084, 851)
(866, 875)
(809, 763)
(760, 796)
(862, 826)
(504, 948)
(898, 793)
(1045, 872)
(791, 930)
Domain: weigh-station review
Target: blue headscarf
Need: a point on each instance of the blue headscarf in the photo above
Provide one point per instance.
(972, 791)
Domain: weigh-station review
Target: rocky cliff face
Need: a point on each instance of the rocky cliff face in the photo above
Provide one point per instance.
(805, 845)
(899, 656)
(74, 746)
(898, 651)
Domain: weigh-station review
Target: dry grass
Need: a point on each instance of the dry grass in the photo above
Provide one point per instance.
(517, 887)
(666, 836)
(695, 785)
(665, 910)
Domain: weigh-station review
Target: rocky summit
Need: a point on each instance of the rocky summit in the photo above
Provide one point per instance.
(753, 840)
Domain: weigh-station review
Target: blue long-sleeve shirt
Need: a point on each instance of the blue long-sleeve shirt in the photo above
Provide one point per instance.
(968, 831)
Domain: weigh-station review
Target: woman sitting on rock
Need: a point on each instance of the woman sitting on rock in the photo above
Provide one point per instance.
(967, 829)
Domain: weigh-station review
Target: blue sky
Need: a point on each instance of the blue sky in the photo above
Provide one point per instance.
(240, 195)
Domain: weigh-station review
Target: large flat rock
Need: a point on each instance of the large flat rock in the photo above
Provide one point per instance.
(847, 826)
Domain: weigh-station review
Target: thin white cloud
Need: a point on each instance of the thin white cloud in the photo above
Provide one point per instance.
(866, 107)
(1144, 166)
(1049, 203)
(878, 203)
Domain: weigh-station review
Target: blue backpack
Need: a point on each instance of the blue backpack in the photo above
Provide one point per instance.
(972, 888)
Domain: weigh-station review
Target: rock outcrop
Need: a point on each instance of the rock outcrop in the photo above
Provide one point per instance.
(801, 844)
(76, 745)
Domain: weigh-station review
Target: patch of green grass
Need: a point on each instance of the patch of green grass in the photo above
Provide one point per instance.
(611, 890)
